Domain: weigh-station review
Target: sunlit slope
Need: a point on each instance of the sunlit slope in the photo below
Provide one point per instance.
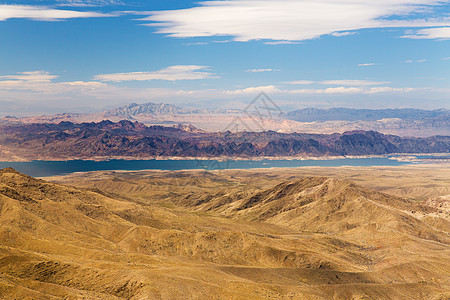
(62, 242)
(320, 204)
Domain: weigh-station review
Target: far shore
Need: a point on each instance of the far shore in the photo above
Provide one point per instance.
(396, 156)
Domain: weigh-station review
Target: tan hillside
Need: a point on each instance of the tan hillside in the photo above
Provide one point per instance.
(314, 238)
(320, 204)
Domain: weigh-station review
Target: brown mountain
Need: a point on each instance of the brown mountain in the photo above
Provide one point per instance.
(314, 238)
(132, 139)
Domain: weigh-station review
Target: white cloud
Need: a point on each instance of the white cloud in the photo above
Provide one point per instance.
(254, 90)
(366, 64)
(417, 61)
(261, 70)
(386, 89)
(336, 90)
(353, 82)
(33, 76)
(354, 90)
(440, 33)
(282, 43)
(42, 13)
(207, 43)
(290, 20)
(446, 58)
(87, 3)
(173, 73)
(196, 44)
(344, 33)
(41, 82)
(272, 89)
(339, 82)
(40, 91)
(300, 82)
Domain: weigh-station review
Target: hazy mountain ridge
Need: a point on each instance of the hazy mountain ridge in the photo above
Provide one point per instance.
(133, 139)
(403, 122)
(134, 109)
(349, 114)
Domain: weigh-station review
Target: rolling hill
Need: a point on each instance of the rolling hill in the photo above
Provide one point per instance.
(313, 238)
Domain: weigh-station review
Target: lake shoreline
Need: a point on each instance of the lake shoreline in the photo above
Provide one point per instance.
(221, 158)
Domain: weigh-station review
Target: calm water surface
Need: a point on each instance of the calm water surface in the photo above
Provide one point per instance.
(41, 168)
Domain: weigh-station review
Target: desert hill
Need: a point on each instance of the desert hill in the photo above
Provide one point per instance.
(320, 204)
(286, 241)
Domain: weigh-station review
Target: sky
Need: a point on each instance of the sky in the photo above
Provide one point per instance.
(90, 55)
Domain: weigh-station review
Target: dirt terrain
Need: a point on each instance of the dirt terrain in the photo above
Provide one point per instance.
(306, 233)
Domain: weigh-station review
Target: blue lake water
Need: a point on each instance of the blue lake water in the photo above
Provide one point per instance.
(41, 168)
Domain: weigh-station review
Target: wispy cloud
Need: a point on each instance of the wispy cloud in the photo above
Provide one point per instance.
(446, 58)
(412, 61)
(353, 82)
(254, 90)
(33, 76)
(207, 43)
(334, 90)
(339, 82)
(261, 70)
(196, 43)
(366, 64)
(387, 89)
(88, 3)
(344, 33)
(42, 13)
(272, 89)
(353, 90)
(292, 20)
(282, 43)
(440, 33)
(173, 73)
(42, 82)
(300, 82)
(42, 87)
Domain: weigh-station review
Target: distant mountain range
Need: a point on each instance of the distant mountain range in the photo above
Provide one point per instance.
(402, 122)
(301, 115)
(133, 110)
(105, 139)
(349, 114)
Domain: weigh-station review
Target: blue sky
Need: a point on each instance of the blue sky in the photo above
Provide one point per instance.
(85, 55)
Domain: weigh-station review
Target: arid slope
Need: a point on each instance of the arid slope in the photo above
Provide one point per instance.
(306, 239)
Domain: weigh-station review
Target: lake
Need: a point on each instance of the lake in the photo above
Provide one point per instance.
(41, 168)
